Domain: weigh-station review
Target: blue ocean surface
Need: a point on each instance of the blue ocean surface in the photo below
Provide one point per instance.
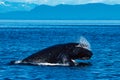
(19, 40)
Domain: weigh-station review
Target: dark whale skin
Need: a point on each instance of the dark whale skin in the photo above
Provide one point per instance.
(61, 53)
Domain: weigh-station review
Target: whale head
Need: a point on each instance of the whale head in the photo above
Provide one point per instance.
(82, 53)
(83, 50)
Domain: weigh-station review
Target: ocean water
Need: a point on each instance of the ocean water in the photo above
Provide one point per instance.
(21, 39)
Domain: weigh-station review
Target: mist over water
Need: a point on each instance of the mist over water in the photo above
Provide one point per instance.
(18, 43)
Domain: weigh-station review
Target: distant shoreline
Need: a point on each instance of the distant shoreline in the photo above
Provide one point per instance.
(64, 22)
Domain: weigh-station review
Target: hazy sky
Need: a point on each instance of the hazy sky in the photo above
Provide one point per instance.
(55, 2)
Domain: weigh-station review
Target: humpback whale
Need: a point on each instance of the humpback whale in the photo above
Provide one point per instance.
(60, 54)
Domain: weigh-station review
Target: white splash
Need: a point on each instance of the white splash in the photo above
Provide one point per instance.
(52, 64)
(17, 62)
(41, 64)
(84, 43)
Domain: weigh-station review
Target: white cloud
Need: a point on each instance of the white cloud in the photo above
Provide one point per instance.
(3, 3)
(55, 2)
(96, 1)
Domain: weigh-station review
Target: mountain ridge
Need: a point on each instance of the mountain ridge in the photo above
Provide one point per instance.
(96, 11)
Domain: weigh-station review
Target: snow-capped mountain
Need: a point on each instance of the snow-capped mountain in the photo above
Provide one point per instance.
(14, 6)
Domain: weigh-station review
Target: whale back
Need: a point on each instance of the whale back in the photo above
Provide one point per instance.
(51, 54)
